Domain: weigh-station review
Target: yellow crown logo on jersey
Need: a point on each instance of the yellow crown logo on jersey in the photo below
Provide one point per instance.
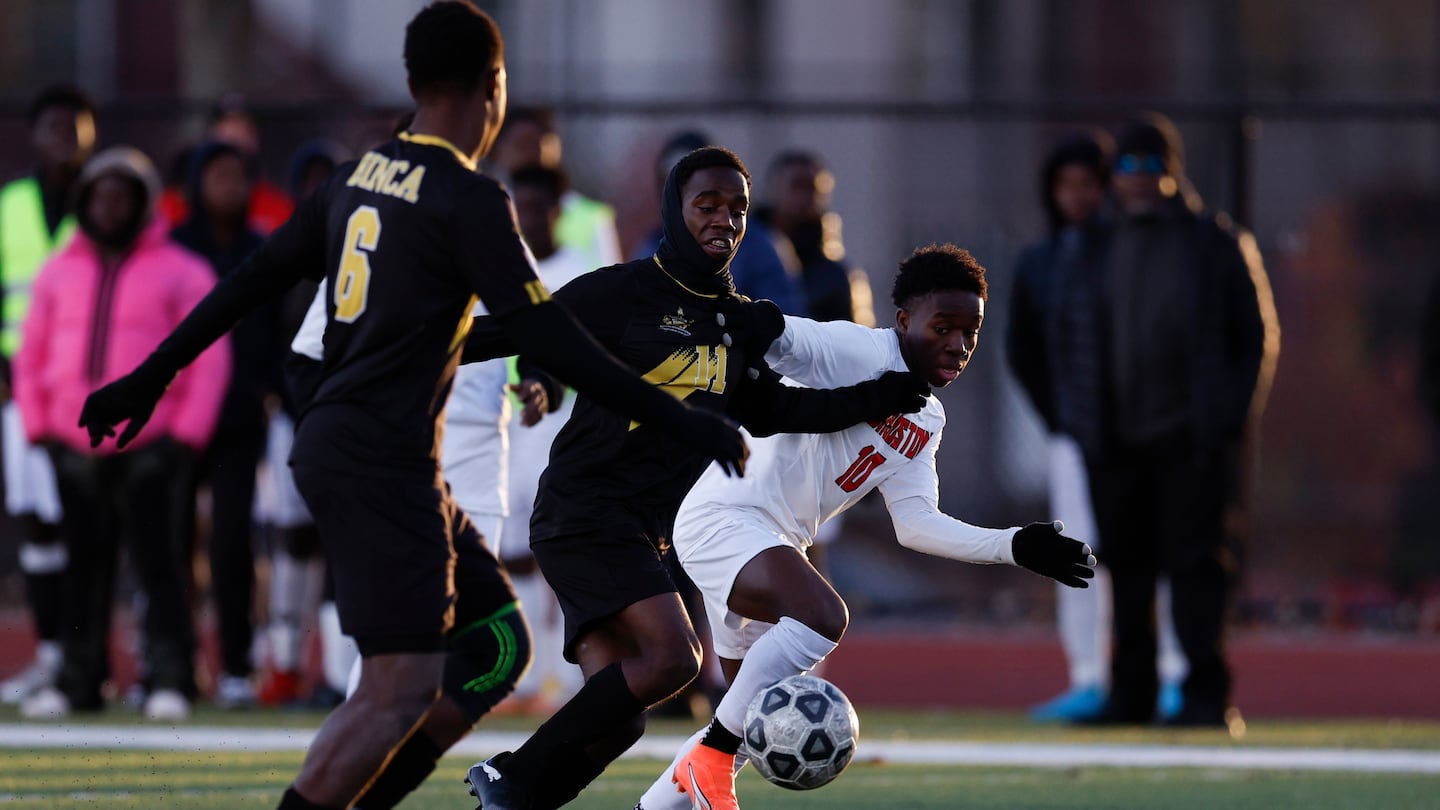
(677, 323)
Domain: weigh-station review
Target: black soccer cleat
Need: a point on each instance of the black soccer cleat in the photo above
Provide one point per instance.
(495, 791)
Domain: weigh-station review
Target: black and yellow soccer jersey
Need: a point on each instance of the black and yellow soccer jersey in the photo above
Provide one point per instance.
(409, 231)
(608, 472)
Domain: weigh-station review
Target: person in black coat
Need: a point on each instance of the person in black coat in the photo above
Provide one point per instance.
(220, 181)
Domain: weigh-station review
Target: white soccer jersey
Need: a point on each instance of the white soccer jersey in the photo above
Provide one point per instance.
(794, 482)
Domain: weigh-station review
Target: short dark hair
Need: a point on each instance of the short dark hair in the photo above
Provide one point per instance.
(553, 181)
(796, 157)
(938, 267)
(707, 157)
(539, 116)
(451, 46)
(59, 95)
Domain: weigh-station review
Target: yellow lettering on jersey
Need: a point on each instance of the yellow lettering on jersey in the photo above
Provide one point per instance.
(387, 184)
(393, 178)
(362, 170)
(377, 167)
(409, 188)
(689, 369)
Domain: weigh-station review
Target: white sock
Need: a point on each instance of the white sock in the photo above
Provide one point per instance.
(283, 633)
(1170, 656)
(1082, 617)
(788, 648)
(665, 794)
(337, 650)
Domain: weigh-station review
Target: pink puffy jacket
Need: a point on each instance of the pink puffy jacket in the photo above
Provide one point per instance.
(87, 327)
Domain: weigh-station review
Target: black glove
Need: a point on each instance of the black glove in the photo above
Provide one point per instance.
(131, 397)
(752, 325)
(894, 392)
(1041, 548)
(715, 437)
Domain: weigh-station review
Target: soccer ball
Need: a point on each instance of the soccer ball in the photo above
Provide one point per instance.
(801, 732)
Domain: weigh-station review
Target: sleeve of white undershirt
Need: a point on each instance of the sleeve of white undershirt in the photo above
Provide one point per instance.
(913, 497)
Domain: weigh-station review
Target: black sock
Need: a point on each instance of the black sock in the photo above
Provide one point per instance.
(560, 789)
(414, 761)
(43, 559)
(42, 591)
(294, 801)
(720, 738)
(601, 707)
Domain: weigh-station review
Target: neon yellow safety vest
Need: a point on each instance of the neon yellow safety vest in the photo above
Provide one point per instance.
(25, 244)
(582, 225)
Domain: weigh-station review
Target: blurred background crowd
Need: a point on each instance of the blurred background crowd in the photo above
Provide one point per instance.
(1312, 124)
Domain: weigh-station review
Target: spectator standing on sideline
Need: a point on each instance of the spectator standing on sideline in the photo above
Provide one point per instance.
(799, 216)
(232, 122)
(803, 226)
(99, 305)
(35, 220)
(1192, 342)
(586, 226)
(758, 269)
(219, 191)
(1056, 352)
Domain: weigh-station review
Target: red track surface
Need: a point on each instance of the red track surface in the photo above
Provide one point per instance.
(1333, 676)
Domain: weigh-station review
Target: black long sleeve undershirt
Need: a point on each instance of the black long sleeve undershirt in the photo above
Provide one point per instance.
(766, 406)
(556, 342)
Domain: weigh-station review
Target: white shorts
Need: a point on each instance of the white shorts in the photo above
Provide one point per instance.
(277, 500)
(29, 475)
(713, 558)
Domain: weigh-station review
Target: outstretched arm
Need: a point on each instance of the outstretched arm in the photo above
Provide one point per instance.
(912, 495)
(766, 406)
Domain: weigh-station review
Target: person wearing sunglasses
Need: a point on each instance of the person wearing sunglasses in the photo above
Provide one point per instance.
(1191, 345)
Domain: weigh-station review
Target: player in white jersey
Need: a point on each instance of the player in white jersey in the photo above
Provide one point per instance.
(743, 540)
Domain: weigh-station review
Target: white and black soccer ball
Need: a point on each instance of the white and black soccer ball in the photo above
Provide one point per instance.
(801, 732)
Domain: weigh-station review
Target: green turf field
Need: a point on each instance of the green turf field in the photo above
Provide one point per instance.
(222, 780)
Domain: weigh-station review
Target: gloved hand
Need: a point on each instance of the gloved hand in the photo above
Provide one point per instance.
(716, 437)
(1041, 548)
(131, 397)
(894, 392)
(752, 325)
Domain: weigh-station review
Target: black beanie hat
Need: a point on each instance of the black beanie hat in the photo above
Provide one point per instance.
(1153, 134)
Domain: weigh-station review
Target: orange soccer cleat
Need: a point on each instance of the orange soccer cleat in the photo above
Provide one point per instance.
(708, 775)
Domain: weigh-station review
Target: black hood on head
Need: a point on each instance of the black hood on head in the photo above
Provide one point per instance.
(679, 253)
(205, 154)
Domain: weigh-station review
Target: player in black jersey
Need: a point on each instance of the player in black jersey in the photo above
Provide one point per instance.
(405, 237)
(608, 500)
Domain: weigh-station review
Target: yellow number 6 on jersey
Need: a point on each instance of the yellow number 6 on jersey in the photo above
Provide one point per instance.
(352, 283)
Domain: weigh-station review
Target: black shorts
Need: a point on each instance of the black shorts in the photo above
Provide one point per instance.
(408, 565)
(595, 576)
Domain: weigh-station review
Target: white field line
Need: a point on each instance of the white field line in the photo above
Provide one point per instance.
(917, 752)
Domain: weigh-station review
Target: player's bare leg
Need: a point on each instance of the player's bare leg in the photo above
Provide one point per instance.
(396, 691)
